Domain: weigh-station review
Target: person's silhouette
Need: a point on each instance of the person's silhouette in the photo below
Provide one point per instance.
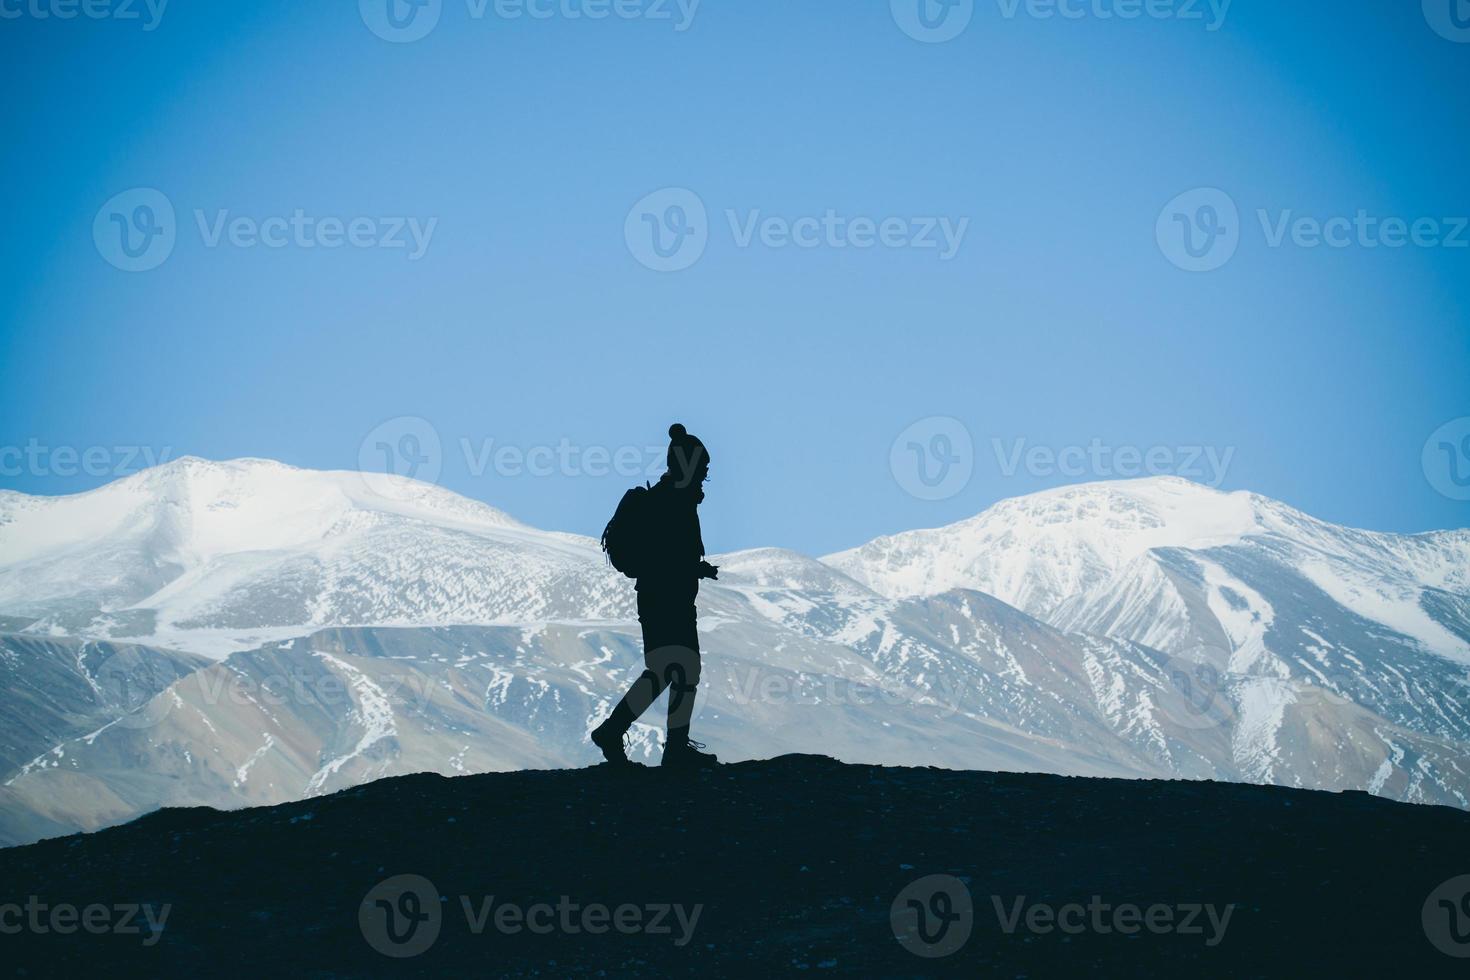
(671, 565)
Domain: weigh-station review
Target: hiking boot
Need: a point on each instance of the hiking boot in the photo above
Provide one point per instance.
(608, 737)
(684, 753)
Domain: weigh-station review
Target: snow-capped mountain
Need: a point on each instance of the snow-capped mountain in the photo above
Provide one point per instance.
(217, 557)
(1096, 556)
(360, 627)
(1291, 611)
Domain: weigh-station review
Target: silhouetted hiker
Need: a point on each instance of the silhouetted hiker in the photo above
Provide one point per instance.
(654, 538)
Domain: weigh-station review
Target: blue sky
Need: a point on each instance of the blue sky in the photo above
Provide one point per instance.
(1062, 326)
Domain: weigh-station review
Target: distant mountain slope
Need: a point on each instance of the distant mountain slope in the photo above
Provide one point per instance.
(1288, 617)
(794, 865)
(59, 689)
(1090, 556)
(366, 628)
(954, 681)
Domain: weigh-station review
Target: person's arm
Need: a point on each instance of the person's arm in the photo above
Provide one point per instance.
(706, 570)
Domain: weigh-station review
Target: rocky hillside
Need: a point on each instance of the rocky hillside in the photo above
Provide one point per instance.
(794, 865)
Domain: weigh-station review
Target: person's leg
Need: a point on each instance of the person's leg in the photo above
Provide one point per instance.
(681, 672)
(641, 693)
(679, 664)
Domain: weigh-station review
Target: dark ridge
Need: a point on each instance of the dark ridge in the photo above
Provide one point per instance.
(794, 863)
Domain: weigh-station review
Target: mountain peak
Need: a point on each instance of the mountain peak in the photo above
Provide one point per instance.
(196, 539)
(1034, 550)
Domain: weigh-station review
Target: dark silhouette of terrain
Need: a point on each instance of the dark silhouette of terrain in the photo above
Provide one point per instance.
(790, 866)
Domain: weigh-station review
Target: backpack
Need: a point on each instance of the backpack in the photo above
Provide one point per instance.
(625, 539)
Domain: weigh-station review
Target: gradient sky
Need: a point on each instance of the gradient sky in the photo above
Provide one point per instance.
(528, 320)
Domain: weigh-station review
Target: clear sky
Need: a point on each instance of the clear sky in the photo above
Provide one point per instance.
(1059, 312)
